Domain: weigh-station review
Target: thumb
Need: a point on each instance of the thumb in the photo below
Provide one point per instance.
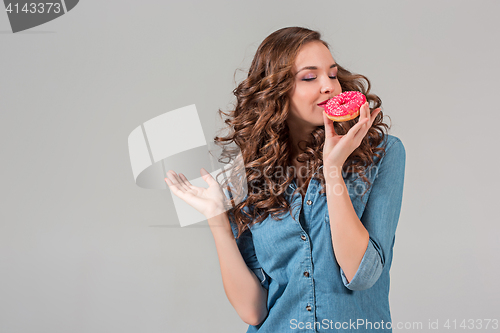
(207, 177)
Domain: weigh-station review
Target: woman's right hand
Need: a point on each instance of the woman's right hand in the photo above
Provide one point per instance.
(208, 201)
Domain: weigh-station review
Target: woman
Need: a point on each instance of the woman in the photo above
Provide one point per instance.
(310, 246)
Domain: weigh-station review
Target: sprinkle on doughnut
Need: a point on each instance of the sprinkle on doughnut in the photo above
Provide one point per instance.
(344, 106)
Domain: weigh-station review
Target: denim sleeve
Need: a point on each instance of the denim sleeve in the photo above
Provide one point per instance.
(247, 250)
(380, 218)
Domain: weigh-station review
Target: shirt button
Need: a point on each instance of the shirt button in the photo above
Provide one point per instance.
(303, 237)
(309, 202)
(308, 308)
(306, 274)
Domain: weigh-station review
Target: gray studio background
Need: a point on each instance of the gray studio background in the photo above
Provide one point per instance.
(84, 249)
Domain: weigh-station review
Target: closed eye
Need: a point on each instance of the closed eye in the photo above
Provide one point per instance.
(312, 78)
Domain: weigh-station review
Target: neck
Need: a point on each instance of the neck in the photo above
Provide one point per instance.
(298, 133)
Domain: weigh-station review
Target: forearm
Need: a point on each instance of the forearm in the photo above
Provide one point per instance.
(349, 237)
(242, 287)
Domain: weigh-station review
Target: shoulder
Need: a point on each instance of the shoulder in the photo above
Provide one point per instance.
(393, 146)
(390, 140)
(392, 158)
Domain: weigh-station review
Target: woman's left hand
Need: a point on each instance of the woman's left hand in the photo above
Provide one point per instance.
(337, 148)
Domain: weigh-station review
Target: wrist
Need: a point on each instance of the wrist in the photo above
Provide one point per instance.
(214, 209)
(215, 214)
(220, 226)
(332, 172)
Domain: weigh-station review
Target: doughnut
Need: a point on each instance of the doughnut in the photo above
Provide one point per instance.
(344, 106)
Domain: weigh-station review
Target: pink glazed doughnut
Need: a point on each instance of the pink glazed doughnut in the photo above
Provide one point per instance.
(344, 106)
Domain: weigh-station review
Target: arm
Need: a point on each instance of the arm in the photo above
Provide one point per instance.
(242, 287)
(379, 219)
(349, 237)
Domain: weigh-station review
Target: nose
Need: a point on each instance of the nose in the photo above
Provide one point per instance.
(326, 89)
(326, 86)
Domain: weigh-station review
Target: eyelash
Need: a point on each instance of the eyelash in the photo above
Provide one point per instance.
(310, 79)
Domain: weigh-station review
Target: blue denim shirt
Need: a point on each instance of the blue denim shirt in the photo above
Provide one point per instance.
(295, 262)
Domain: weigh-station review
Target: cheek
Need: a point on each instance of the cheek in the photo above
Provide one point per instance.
(306, 96)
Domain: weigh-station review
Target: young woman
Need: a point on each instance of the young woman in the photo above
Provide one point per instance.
(310, 247)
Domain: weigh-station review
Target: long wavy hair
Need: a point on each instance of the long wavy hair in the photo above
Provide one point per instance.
(258, 127)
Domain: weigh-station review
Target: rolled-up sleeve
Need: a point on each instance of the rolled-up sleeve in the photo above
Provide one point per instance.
(380, 218)
(247, 250)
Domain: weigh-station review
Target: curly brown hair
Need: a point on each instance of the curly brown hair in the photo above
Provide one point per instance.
(258, 127)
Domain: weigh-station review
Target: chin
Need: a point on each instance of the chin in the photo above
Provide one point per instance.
(320, 121)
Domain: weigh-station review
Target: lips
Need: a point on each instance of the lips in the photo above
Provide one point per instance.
(322, 104)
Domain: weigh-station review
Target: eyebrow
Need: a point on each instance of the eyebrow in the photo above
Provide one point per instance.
(313, 68)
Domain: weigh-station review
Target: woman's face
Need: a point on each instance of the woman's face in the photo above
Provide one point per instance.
(315, 81)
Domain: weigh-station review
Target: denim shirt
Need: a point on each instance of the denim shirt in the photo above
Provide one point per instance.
(294, 258)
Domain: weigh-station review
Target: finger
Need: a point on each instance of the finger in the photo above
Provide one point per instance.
(207, 177)
(329, 128)
(362, 114)
(185, 181)
(366, 110)
(178, 190)
(371, 117)
(360, 132)
(368, 116)
(374, 114)
(174, 187)
(176, 181)
(172, 183)
(169, 182)
(361, 120)
(181, 182)
(356, 128)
